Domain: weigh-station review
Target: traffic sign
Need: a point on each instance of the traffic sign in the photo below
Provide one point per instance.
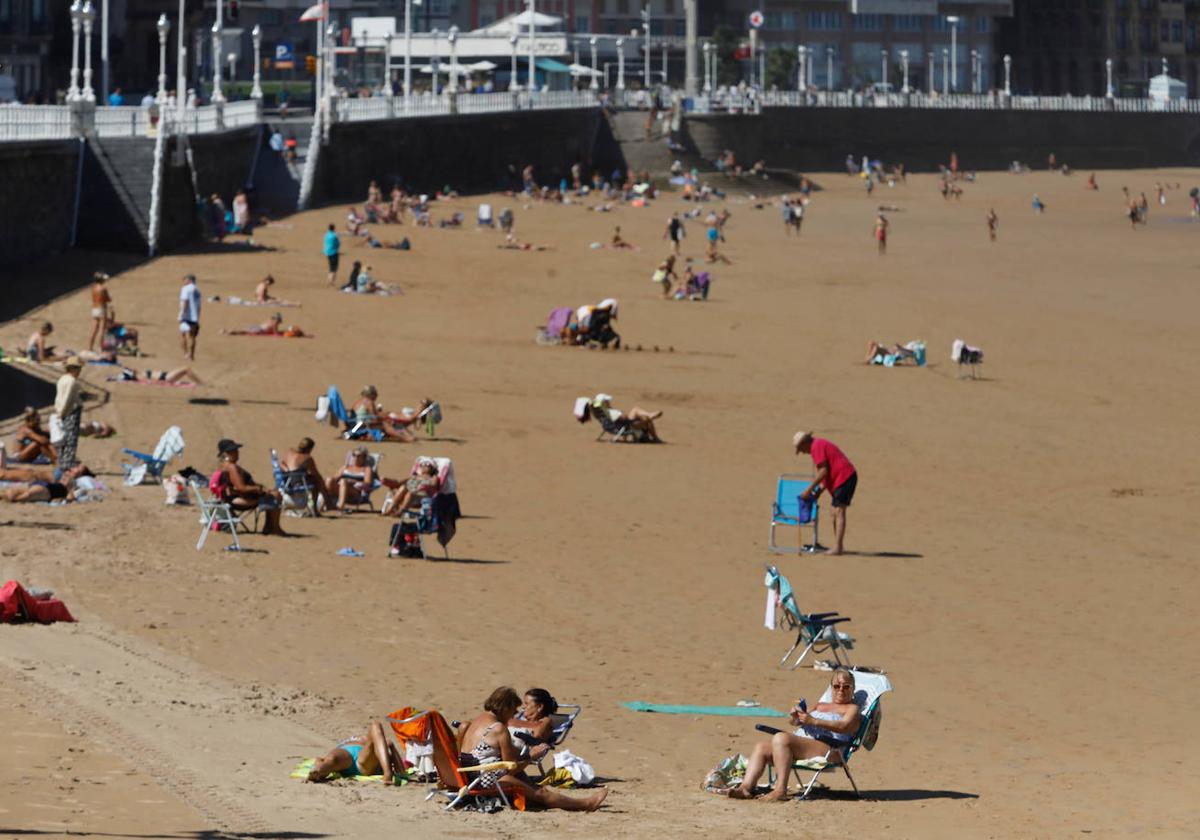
(284, 52)
(756, 19)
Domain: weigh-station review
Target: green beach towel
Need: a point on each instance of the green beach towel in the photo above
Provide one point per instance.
(305, 767)
(728, 711)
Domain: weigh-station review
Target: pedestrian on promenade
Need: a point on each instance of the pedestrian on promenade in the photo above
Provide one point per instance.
(836, 474)
(333, 248)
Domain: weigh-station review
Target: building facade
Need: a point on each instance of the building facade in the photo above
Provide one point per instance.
(26, 36)
(1061, 47)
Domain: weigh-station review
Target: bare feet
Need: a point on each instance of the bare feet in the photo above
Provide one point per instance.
(740, 793)
(776, 796)
(597, 799)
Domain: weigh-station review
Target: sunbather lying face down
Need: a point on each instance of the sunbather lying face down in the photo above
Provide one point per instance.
(41, 490)
(828, 726)
(486, 739)
(362, 755)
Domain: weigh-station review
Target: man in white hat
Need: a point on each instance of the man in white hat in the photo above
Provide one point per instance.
(835, 473)
(69, 408)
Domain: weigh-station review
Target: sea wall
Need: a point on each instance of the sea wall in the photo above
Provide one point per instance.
(818, 139)
(37, 201)
(470, 152)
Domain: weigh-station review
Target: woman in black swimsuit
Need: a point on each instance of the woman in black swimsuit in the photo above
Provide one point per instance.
(46, 491)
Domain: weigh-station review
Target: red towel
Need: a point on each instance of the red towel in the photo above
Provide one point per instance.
(18, 605)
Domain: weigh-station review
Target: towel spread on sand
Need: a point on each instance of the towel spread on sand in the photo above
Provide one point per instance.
(305, 767)
(729, 711)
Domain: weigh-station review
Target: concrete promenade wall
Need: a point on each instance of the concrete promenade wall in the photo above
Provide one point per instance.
(470, 152)
(818, 139)
(37, 199)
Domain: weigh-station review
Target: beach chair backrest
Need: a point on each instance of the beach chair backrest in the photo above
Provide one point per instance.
(557, 322)
(170, 445)
(562, 721)
(787, 497)
(276, 469)
(787, 597)
(868, 690)
(446, 480)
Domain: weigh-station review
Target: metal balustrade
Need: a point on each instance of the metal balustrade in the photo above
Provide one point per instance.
(34, 122)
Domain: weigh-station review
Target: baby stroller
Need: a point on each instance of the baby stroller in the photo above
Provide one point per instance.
(600, 330)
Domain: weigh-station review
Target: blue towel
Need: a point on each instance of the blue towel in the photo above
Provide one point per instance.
(728, 711)
(337, 406)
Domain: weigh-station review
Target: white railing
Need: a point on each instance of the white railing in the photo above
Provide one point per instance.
(428, 105)
(35, 122)
(308, 179)
(241, 113)
(485, 103)
(156, 184)
(123, 121)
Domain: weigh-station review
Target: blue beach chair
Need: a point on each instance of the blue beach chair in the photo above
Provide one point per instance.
(330, 405)
(869, 689)
(170, 446)
(789, 510)
(818, 631)
(299, 497)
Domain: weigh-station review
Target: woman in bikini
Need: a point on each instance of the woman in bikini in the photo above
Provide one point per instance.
(175, 376)
(486, 739)
(41, 490)
(423, 485)
(32, 439)
(100, 304)
(362, 755)
(355, 480)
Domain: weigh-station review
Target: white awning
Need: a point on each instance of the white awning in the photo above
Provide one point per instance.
(520, 23)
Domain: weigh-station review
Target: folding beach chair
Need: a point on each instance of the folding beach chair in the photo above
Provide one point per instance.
(364, 500)
(438, 514)
(817, 631)
(617, 431)
(299, 497)
(967, 357)
(216, 515)
(868, 691)
(789, 510)
(170, 446)
(454, 780)
(556, 324)
(331, 408)
(430, 415)
(561, 721)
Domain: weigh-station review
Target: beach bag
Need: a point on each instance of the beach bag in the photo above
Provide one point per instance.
(404, 245)
(176, 490)
(218, 485)
(659, 276)
(727, 775)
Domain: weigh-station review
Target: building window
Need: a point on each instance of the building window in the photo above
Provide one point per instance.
(1177, 31)
(825, 21)
(668, 7)
(680, 28)
(907, 23)
(1191, 36)
(868, 23)
(582, 23)
(983, 24)
(1164, 30)
(622, 7)
(5, 11)
(1122, 33)
(780, 21)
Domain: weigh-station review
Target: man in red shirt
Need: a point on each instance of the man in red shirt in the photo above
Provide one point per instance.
(835, 473)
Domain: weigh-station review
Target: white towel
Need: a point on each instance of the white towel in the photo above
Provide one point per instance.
(582, 772)
(769, 617)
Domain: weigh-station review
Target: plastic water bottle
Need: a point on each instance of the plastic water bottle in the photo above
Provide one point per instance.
(803, 705)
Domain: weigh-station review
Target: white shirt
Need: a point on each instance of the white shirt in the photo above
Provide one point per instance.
(189, 303)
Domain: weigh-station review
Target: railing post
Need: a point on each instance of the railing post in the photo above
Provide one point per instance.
(219, 113)
(83, 118)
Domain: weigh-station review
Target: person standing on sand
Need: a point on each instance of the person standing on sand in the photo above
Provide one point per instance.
(332, 249)
(993, 222)
(189, 315)
(674, 232)
(69, 408)
(836, 474)
(100, 304)
(881, 231)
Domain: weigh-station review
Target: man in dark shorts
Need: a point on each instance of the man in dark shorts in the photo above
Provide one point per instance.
(189, 315)
(332, 249)
(674, 232)
(835, 473)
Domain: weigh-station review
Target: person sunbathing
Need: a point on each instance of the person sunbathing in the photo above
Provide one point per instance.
(486, 739)
(356, 225)
(43, 490)
(32, 439)
(367, 412)
(535, 726)
(262, 292)
(828, 726)
(242, 493)
(511, 243)
(362, 755)
(637, 418)
(272, 326)
(96, 428)
(175, 376)
(298, 462)
(36, 348)
(618, 241)
(878, 351)
(355, 480)
(424, 484)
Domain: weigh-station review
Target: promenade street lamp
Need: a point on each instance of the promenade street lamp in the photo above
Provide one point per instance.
(73, 92)
(953, 21)
(217, 96)
(646, 46)
(436, 62)
(884, 74)
(904, 66)
(330, 60)
(945, 70)
(452, 37)
(595, 84)
(512, 83)
(164, 27)
(974, 71)
(532, 84)
(256, 86)
(232, 59)
(1108, 72)
(387, 65)
(829, 68)
(1008, 75)
(800, 67)
(932, 69)
(408, 4)
(88, 16)
(620, 64)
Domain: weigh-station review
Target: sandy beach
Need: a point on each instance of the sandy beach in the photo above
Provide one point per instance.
(1021, 547)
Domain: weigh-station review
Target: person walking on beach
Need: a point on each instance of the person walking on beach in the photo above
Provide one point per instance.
(333, 248)
(836, 474)
(100, 303)
(993, 222)
(674, 232)
(189, 315)
(881, 232)
(69, 408)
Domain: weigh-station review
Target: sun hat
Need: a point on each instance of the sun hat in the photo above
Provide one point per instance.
(73, 362)
(225, 445)
(799, 437)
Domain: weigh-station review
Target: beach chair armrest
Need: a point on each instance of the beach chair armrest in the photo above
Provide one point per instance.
(819, 616)
(491, 765)
(829, 622)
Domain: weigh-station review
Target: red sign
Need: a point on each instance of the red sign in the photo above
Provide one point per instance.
(742, 52)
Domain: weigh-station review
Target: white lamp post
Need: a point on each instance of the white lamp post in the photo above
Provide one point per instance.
(975, 74)
(620, 64)
(800, 67)
(664, 57)
(1108, 72)
(452, 37)
(931, 71)
(512, 82)
(884, 75)
(1008, 75)
(595, 82)
(217, 96)
(829, 68)
(164, 27)
(256, 86)
(532, 83)
(904, 67)
(330, 60)
(387, 65)
(953, 21)
(408, 4)
(73, 92)
(104, 51)
(436, 63)
(181, 67)
(646, 46)
(232, 59)
(945, 70)
(88, 16)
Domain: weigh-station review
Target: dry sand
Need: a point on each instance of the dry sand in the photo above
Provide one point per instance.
(1022, 546)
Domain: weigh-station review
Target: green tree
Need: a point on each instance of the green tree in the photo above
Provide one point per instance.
(781, 69)
(728, 69)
